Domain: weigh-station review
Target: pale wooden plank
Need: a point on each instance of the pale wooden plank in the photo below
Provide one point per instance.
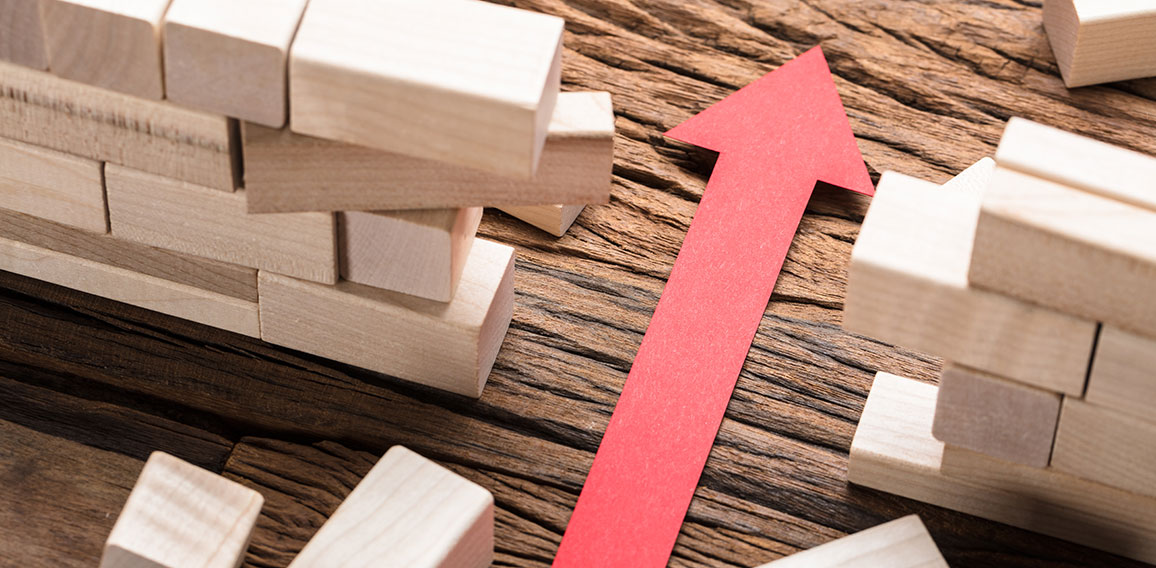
(1123, 375)
(902, 543)
(554, 219)
(1110, 447)
(1099, 41)
(52, 185)
(22, 42)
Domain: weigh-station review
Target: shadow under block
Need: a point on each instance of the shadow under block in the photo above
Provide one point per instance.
(179, 515)
(554, 219)
(1103, 445)
(420, 252)
(902, 543)
(407, 511)
(52, 185)
(157, 137)
(111, 44)
(230, 56)
(1123, 375)
(285, 171)
(194, 220)
(996, 417)
(894, 451)
(22, 42)
(907, 285)
(450, 346)
(458, 81)
(1099, 41)
(1068, 250)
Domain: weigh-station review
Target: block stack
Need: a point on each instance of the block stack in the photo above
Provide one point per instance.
(1032, 275)
(312, 174)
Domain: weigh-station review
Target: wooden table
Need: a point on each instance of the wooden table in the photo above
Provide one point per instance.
(89, 387)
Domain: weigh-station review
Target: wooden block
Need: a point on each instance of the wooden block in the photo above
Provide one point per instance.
(996, 417)
(447, 346)
(52, 185)
(902, 543)
(553, 219)
(22, 42)
(1123, 375)
(907, 285)
(407, 511)
(179, 515)
(420, 252)
(111, 44)
(458, 81)
(156, 137)
(894, 451)
(1099, 41)
(291, 172)
(1068, 250)
(230, 56)
(1106, 446)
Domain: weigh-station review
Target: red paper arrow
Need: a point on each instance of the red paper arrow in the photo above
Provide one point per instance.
(776, 137)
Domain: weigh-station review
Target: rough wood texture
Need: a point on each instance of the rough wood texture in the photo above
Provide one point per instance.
(928, 87)
(52, 185)
(1097, 41)
(902, 543)
(22, 42)
(1106, 446)
(1123, 375)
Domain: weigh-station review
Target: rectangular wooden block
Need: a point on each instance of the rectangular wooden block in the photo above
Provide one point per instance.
(179, 515)
(1123, 375)
(157, 137)
(1099, 41)
(907, 285)
(447, 346)
(230, 56)
(1106, 446)
(22, 42)
(894, 451)
(902, 543)
(111, 44)
(292, 172)
(52, 185)
(420, 252)
(407, 511)
(1068, 250)
(187, 218)
(458, 81)
(554, 219)
(996, 417)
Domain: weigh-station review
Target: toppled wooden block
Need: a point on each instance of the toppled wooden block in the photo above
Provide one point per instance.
(1098, 41)
(292, 172)
(894, 451)
(902, 543)
(22, 42)
(1106, 446)
(52, 185)
(553, 219)
(420, 252)
(408, 511)
(156, 137)
(1123, 375)
(447, 346)
(230, 56)
(179, 515)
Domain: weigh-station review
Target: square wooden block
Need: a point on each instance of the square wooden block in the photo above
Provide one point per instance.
(1123, 375)
(52, 185)
(1099, 41)
(902, 543)
(1106, 446)
(554, 219)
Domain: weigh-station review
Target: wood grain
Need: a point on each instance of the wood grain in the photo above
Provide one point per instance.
(553, 219)
(902, 543)
(1106, 446)
(1122, 373)
(1098, 41)
(52, 185)
(23, 39)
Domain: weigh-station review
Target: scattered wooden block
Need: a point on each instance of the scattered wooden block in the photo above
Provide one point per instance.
(420, 252)
(408, 511)
(291, 172)
(52, 185)
(458, 81)
(1099, 41)
(902, 543)
(1068, 250)
(230, 56)
(22, 42)
(554, 219)
(111, 44)
(195, 220)
(894, 451)
(996, 417)
(1123, 375)
(179, 515)
(155, 137)
(1106, 446)
(907, 285)
(448, 346)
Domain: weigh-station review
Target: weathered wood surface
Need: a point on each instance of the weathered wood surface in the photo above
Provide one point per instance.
(88, 387)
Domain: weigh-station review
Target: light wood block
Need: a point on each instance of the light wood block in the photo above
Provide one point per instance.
(420, 252)
(554, 219)
(1106, 446)
(157, 137)
(111, 44)
(291, 172)
(179, 515)
(996, 417)
(907, 285)
(230, 56)
(1123, 375)
(1099, 41)
(447, 346)
(407, 511)
(52, 185)
(894, 451)
(902, 543)
(22, 42)
(458, 81)
(195, 220)
(1068, 250)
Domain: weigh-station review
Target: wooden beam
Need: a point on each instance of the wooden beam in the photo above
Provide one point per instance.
(230, 56)
(1122, 373)
(1106, 446)
(902, 543)
(448, 346)
(407, 511)
(52, 185)
(1100, 41)
(554, 219)
(291, 172)
(22, 42)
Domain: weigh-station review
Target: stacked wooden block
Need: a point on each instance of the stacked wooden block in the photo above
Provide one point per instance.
(1099, 41)
(310, 175)
(1033, 275)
